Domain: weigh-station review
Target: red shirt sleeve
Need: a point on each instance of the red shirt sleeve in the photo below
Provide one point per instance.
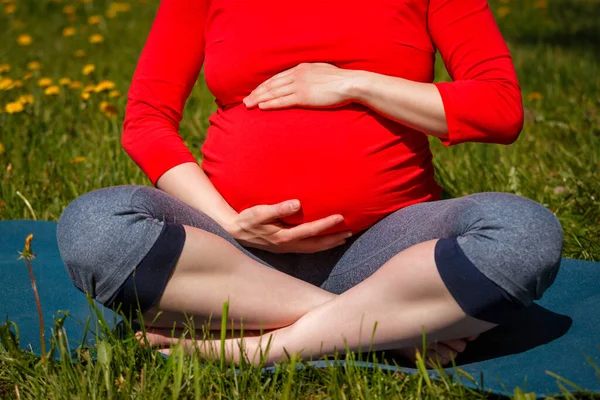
(166, 72)
(483, 103)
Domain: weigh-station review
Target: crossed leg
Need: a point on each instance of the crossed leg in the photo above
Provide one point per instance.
(391, 275)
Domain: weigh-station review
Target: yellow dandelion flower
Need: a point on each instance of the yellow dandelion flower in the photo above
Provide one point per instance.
(85, 95)
(503, 11)
(4, 68)
(2, 152)
(34, 65)
(541, 4)
(18, 84)
(9, 9)
(52, 90)
(109, 110)
(89, 88)
(120, 7)
(24, 39)
(64, 81)
(70, 9)
(80, 53)
(535, 96)
(96, 38)
(69, 31)
(77, 160)
(114, 93)
(76, 85)
(94, 19)
(110, 13)
(26, 99)
(9, 167)
(88, 69)
(44, 82)
(6, 84)
(13, 107)
(27, 76)
(104, 85)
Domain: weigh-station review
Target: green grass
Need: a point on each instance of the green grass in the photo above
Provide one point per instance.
(556, 161)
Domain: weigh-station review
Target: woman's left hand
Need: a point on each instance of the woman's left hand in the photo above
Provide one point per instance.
(314, 85)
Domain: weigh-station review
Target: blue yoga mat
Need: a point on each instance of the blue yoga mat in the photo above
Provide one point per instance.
(560, 334)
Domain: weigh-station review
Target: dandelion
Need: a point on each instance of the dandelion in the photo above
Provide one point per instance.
(503, 11)
(85, 96)
(75, 85)
(114, 93)
(88, 69)
(13, 107)
(109, 110)
(9, 9)
(77, 160)
(94, 19)
(28, 255)
(24, 40)
(69, 31)
(79, 53)
(52, 90)
(26, 99)
(120, 7)
(535, 96)
(27, 76)
(70, 9)
(104, 85)
(64, 81)
(44, 82)
(17, 83)
(4, 68)
(110, 13)
(2, 152)
(89, 88)
(34, 65)
(6, 84)
(96, 38)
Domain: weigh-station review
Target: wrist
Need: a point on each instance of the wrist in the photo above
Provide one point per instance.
(358, 85)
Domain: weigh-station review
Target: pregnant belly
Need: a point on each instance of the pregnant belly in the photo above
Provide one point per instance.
(347, 161)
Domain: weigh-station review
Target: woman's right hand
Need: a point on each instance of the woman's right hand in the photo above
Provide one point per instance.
(260, 227)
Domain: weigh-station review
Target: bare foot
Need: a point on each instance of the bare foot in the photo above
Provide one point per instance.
(440, 352)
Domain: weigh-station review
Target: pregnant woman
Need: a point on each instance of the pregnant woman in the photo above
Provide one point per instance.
(315, 211)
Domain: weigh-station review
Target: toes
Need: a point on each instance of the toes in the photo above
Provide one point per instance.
(153, 339)
(458, 345)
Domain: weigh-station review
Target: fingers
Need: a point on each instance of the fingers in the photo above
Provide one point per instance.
(254, 216)
(313, 228)
(270, 89)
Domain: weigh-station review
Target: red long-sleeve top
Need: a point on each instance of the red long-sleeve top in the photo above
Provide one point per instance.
(348, 160)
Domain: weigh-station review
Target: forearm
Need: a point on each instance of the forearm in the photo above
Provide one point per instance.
(189, 183)
(414, 104)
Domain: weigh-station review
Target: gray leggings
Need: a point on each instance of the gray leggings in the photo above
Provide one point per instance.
(498, 252)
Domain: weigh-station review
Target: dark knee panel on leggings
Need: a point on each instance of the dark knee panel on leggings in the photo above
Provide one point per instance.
(476, 294)
(146, 284)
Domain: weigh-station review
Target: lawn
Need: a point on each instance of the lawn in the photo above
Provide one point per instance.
(65, 67)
